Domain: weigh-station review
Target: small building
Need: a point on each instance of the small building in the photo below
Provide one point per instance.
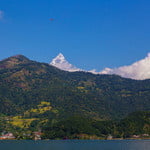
(110, 137)
(135, 136)
(8, 136)
(145, 135)
(37, 135)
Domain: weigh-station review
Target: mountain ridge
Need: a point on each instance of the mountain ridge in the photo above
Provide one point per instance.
(25, 85)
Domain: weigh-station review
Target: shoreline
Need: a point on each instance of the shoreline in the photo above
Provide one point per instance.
(117, 139)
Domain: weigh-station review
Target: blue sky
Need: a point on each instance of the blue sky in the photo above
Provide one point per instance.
(90, 33)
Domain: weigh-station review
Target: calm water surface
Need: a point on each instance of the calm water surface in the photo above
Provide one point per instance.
(76, 145)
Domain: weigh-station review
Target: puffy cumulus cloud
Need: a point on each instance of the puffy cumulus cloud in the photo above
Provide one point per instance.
(139, 70)
(1, 14)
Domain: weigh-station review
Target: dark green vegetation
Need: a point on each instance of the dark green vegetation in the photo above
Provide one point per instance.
(78, 127)
(33, 93)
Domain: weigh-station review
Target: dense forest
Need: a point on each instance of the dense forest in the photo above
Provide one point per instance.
(135, 125)
(77, 127)
(39, 96)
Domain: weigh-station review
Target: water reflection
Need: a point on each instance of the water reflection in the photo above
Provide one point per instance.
(76, 145)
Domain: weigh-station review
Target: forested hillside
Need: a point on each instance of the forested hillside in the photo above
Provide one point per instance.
(24, 84)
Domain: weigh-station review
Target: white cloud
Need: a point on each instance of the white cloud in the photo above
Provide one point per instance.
(139, 70)
(1, 14)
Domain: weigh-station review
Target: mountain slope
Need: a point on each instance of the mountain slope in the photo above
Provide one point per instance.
(26, 83)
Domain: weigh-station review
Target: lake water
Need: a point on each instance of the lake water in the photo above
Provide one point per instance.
(76, 145)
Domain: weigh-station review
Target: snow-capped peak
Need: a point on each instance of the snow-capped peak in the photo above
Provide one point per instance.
(60, 62)
(59, 59)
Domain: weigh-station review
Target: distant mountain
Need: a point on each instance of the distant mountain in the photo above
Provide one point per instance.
(139, 70)
(61, 63)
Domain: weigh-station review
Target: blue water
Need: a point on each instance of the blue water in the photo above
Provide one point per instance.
(76, 145)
